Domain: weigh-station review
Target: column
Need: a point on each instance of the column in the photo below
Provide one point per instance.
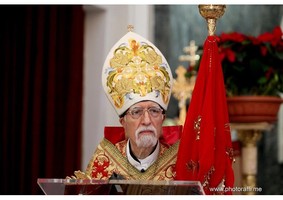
(249, 134)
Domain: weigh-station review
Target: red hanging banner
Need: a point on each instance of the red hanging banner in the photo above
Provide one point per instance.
(205, 151)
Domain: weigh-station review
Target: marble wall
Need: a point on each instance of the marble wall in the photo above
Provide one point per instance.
(177, 25)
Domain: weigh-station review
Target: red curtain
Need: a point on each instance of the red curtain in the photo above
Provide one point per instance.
(41, 64)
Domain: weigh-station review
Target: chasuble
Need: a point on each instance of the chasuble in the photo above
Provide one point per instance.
(110, 157)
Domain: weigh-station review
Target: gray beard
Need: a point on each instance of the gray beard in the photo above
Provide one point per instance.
(146, 141)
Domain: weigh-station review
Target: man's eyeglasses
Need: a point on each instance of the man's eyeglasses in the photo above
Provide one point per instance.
(138, 112)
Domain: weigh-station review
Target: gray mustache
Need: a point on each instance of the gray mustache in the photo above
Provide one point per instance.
(142, 128)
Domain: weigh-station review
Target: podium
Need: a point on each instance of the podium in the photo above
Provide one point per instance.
(118, 187)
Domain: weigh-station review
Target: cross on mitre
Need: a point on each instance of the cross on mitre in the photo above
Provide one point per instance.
(130, 28)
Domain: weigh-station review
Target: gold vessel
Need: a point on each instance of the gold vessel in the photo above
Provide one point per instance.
(211, 13)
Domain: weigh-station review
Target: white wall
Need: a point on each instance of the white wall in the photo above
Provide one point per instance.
(104, 26)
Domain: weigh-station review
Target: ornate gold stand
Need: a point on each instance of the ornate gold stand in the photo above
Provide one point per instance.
(182, 90)
(211, 13)
(249, 134)
(182, 86)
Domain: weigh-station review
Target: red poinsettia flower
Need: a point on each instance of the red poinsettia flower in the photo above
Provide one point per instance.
(274, 38)
(235, 37)
(252, 65)
(263, 50)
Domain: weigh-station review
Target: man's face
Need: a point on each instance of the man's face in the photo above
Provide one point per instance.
(147, 128)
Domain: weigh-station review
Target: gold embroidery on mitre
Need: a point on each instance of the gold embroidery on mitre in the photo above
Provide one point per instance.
(137, 69)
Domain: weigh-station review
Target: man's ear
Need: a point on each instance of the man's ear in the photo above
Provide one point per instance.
(122, 121)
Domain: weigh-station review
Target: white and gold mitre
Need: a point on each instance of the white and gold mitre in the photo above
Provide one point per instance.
(135, 70)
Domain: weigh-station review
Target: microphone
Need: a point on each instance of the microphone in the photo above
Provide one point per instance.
(115, 176)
